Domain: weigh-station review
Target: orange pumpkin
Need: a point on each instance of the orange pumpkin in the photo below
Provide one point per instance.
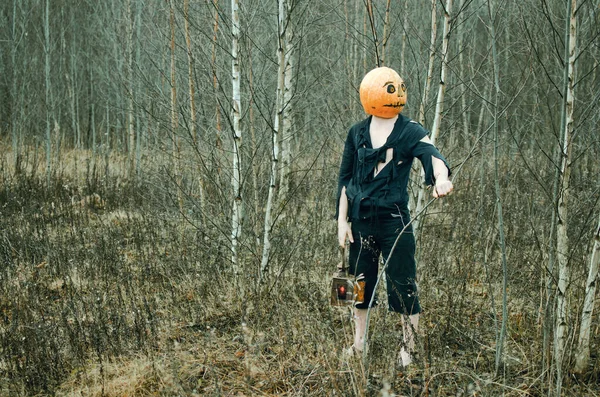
(383, 93)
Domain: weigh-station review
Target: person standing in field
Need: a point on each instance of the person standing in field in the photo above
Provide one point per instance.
(372, 200)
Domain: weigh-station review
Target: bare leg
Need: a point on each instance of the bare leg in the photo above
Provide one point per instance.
(409, 328)
(360, 320)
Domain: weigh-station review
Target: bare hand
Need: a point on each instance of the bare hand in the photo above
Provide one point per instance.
(344, 231)
(442, 188)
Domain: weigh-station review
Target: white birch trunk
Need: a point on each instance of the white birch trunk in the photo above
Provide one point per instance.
(354, 56)
(188, 42)
(72, 88)
(386, 35)
(464, 73)
(582, 353)
(404, 30)
(279, 109)
(13, 91)
(431, 60)
(439, 106)
(416, 182)
(93, 121)
(562, 241)
(136, 84)
(130, 121)
(254, 147)
(236, 218)
(218, 139)
(288, 92)
(107, 147)
(47, 78)
(174, 118)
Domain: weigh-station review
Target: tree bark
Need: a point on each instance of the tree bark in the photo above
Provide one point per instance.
(174, 119)
(496, 67)
(192, 96)
(582, 354)
(218, 139)
(13, 92)
(369, 5)
(404, 30)
(562, 240)
(48, 99)
(190, 56)
(130, 119)
(430, 65)
(236, 218)
(386, 35)
(439, 107)
(286, 110)
(463, 75)
(277, 124)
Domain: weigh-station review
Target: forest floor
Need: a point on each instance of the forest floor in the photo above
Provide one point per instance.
(104, 292)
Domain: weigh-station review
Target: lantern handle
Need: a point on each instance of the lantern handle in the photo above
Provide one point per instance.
(343, 253)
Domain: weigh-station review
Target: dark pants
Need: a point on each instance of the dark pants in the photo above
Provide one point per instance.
(375, 236)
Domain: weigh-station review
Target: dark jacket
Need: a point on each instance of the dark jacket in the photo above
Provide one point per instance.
(387, 191)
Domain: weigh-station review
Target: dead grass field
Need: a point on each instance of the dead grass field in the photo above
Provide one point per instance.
(129, 298)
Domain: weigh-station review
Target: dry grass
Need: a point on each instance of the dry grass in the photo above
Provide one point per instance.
(129, 298)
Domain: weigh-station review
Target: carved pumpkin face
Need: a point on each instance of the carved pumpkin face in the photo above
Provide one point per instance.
(383, 93)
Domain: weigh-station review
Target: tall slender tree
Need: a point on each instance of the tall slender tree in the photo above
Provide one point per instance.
(130, 84)
(582, 353)
(562, 239)
(501, 335)
(192, 97)
(439, 107)
(176, 149)
(432, 52)
(47, 51)
(16, 151)
(213, 63)
(236, 105)
(287, 134)
(277, 125)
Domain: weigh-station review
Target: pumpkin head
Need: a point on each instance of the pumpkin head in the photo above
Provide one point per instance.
(383, 93)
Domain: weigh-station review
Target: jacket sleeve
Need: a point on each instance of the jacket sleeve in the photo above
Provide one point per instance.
(346, 168)
(424, 151)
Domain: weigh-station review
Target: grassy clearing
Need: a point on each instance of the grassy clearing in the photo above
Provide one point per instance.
(128, 297)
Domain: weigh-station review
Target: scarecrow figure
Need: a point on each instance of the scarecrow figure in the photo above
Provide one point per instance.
(372, 205)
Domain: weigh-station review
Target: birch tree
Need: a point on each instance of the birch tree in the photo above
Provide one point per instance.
(130, 117)
(386, 34)
(429, 76)
(562, 240)
(277, 124)
(288, 93)
(403, 40)
(72, 80)
(499, 212)
(236, 217)
(582, 352)
(190, 56)
(13, 89)
(48, 99)
(213, 63)
(439, 106)
(174, 118)
(192, 96)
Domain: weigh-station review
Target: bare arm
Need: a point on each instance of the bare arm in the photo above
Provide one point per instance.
(344, 229)
(443, 185)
